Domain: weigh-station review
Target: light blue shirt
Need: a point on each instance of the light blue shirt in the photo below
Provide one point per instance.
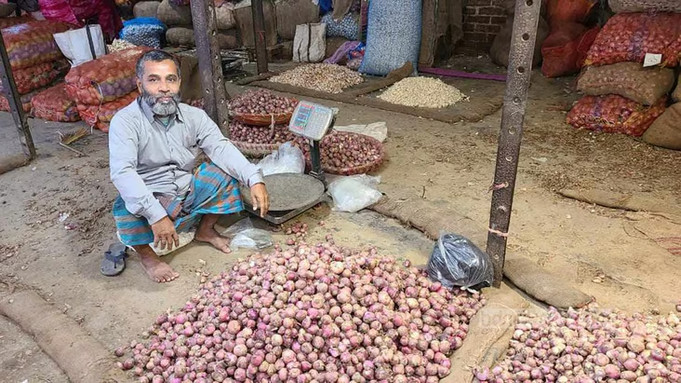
(147, 158)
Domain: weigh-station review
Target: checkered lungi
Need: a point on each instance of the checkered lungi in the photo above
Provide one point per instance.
(212, 191)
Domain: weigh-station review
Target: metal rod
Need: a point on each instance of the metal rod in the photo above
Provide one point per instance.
(510, 136)
(215, 96)
(259, 36)
(14, 100)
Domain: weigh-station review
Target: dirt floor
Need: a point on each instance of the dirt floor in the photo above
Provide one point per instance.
(58, 221)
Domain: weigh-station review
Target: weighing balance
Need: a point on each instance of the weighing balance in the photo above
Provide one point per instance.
(291, 194)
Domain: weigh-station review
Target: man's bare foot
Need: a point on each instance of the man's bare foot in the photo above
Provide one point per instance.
(157, 270)
(209, 235)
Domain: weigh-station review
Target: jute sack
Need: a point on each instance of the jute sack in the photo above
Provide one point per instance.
(174, 15)
(244, 22)
(294, 12)
(224, 15)
(676, 95)
(184, 37)
(627, 79)
(501, 45)
(666, 129)
(146, 9)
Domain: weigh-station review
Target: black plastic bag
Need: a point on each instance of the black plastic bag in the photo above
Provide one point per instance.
(457, 262)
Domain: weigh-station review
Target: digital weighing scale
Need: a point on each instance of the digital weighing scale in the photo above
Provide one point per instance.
(291, 194)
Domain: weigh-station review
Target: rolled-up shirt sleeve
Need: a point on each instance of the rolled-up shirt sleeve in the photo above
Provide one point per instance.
(224, 154)
(123, 147)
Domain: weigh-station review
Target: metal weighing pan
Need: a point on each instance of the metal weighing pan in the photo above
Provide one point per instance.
(290, 194)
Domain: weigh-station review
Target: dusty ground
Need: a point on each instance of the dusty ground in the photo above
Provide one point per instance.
(608, 253)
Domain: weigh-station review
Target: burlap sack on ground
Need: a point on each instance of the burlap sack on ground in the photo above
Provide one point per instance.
(244, 22)
(630, 6)
(502, 43)
(665, 131)
(146, 9)
(173, 15)
(224, 15)
(184, 37)
(293, 12)
(190, 88)
(676, 95)
(627, 79)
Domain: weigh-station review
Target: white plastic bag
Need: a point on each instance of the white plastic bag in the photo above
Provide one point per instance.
(245, 235)
(354, 193)
(75, 46)
(287, 159)
(377, 130)
(309, 43)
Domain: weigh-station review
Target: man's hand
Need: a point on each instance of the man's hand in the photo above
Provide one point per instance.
(164, 234)
(260, 198)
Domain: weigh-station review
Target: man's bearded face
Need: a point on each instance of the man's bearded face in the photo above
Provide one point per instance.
(160, 87)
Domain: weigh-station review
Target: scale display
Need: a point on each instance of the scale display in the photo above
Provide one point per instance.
(311, 120)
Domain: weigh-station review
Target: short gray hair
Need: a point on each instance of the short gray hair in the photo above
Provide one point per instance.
(155, 55)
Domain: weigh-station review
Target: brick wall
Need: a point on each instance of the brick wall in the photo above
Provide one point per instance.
(482, 20)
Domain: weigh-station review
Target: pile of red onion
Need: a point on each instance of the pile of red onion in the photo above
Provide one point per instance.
(341, 151)
(309, 313)
(591, 345)
(259, 134)
(261, 101)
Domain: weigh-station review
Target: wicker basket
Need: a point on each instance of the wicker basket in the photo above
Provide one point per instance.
(250, 149)
(263, 119)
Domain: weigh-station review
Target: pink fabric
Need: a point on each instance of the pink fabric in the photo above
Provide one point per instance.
(75, 11)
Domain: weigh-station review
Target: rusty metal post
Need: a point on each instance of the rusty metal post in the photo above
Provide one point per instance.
(14, 101)
(512, 117)
(259, 36)
(215, 96)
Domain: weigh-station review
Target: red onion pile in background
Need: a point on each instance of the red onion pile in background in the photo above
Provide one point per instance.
(592, 345)
(261, 101)
(241, 132)
(307, 313)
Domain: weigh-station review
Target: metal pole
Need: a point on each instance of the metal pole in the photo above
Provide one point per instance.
(259, 36)
(215, 96)
(510, 136)
(14, 101)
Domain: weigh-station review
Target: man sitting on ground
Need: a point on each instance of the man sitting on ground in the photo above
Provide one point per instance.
(153, 146)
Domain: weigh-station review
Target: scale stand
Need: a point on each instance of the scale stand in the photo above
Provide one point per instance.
(292, 194)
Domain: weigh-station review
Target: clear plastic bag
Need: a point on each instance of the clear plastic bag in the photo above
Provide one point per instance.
(354, 193)
(287, 159)
(245, 235)
(457, 262)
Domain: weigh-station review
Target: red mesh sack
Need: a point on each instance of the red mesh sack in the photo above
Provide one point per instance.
(569, 10)
(105, 79)
(53, 104)
(92, 114)
(564, 51)
(37, 76)
(614, 114)
(25, 101)
(103, 126)
(629, 36)
(6, 22)
(32, 43)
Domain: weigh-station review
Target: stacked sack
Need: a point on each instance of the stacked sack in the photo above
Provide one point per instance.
(178, 18)
(565, 48)
(35, 58)
(103, 86)
(144, 31)
(289, 14)
(501, 46)
(623, 96)
(54, 104)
